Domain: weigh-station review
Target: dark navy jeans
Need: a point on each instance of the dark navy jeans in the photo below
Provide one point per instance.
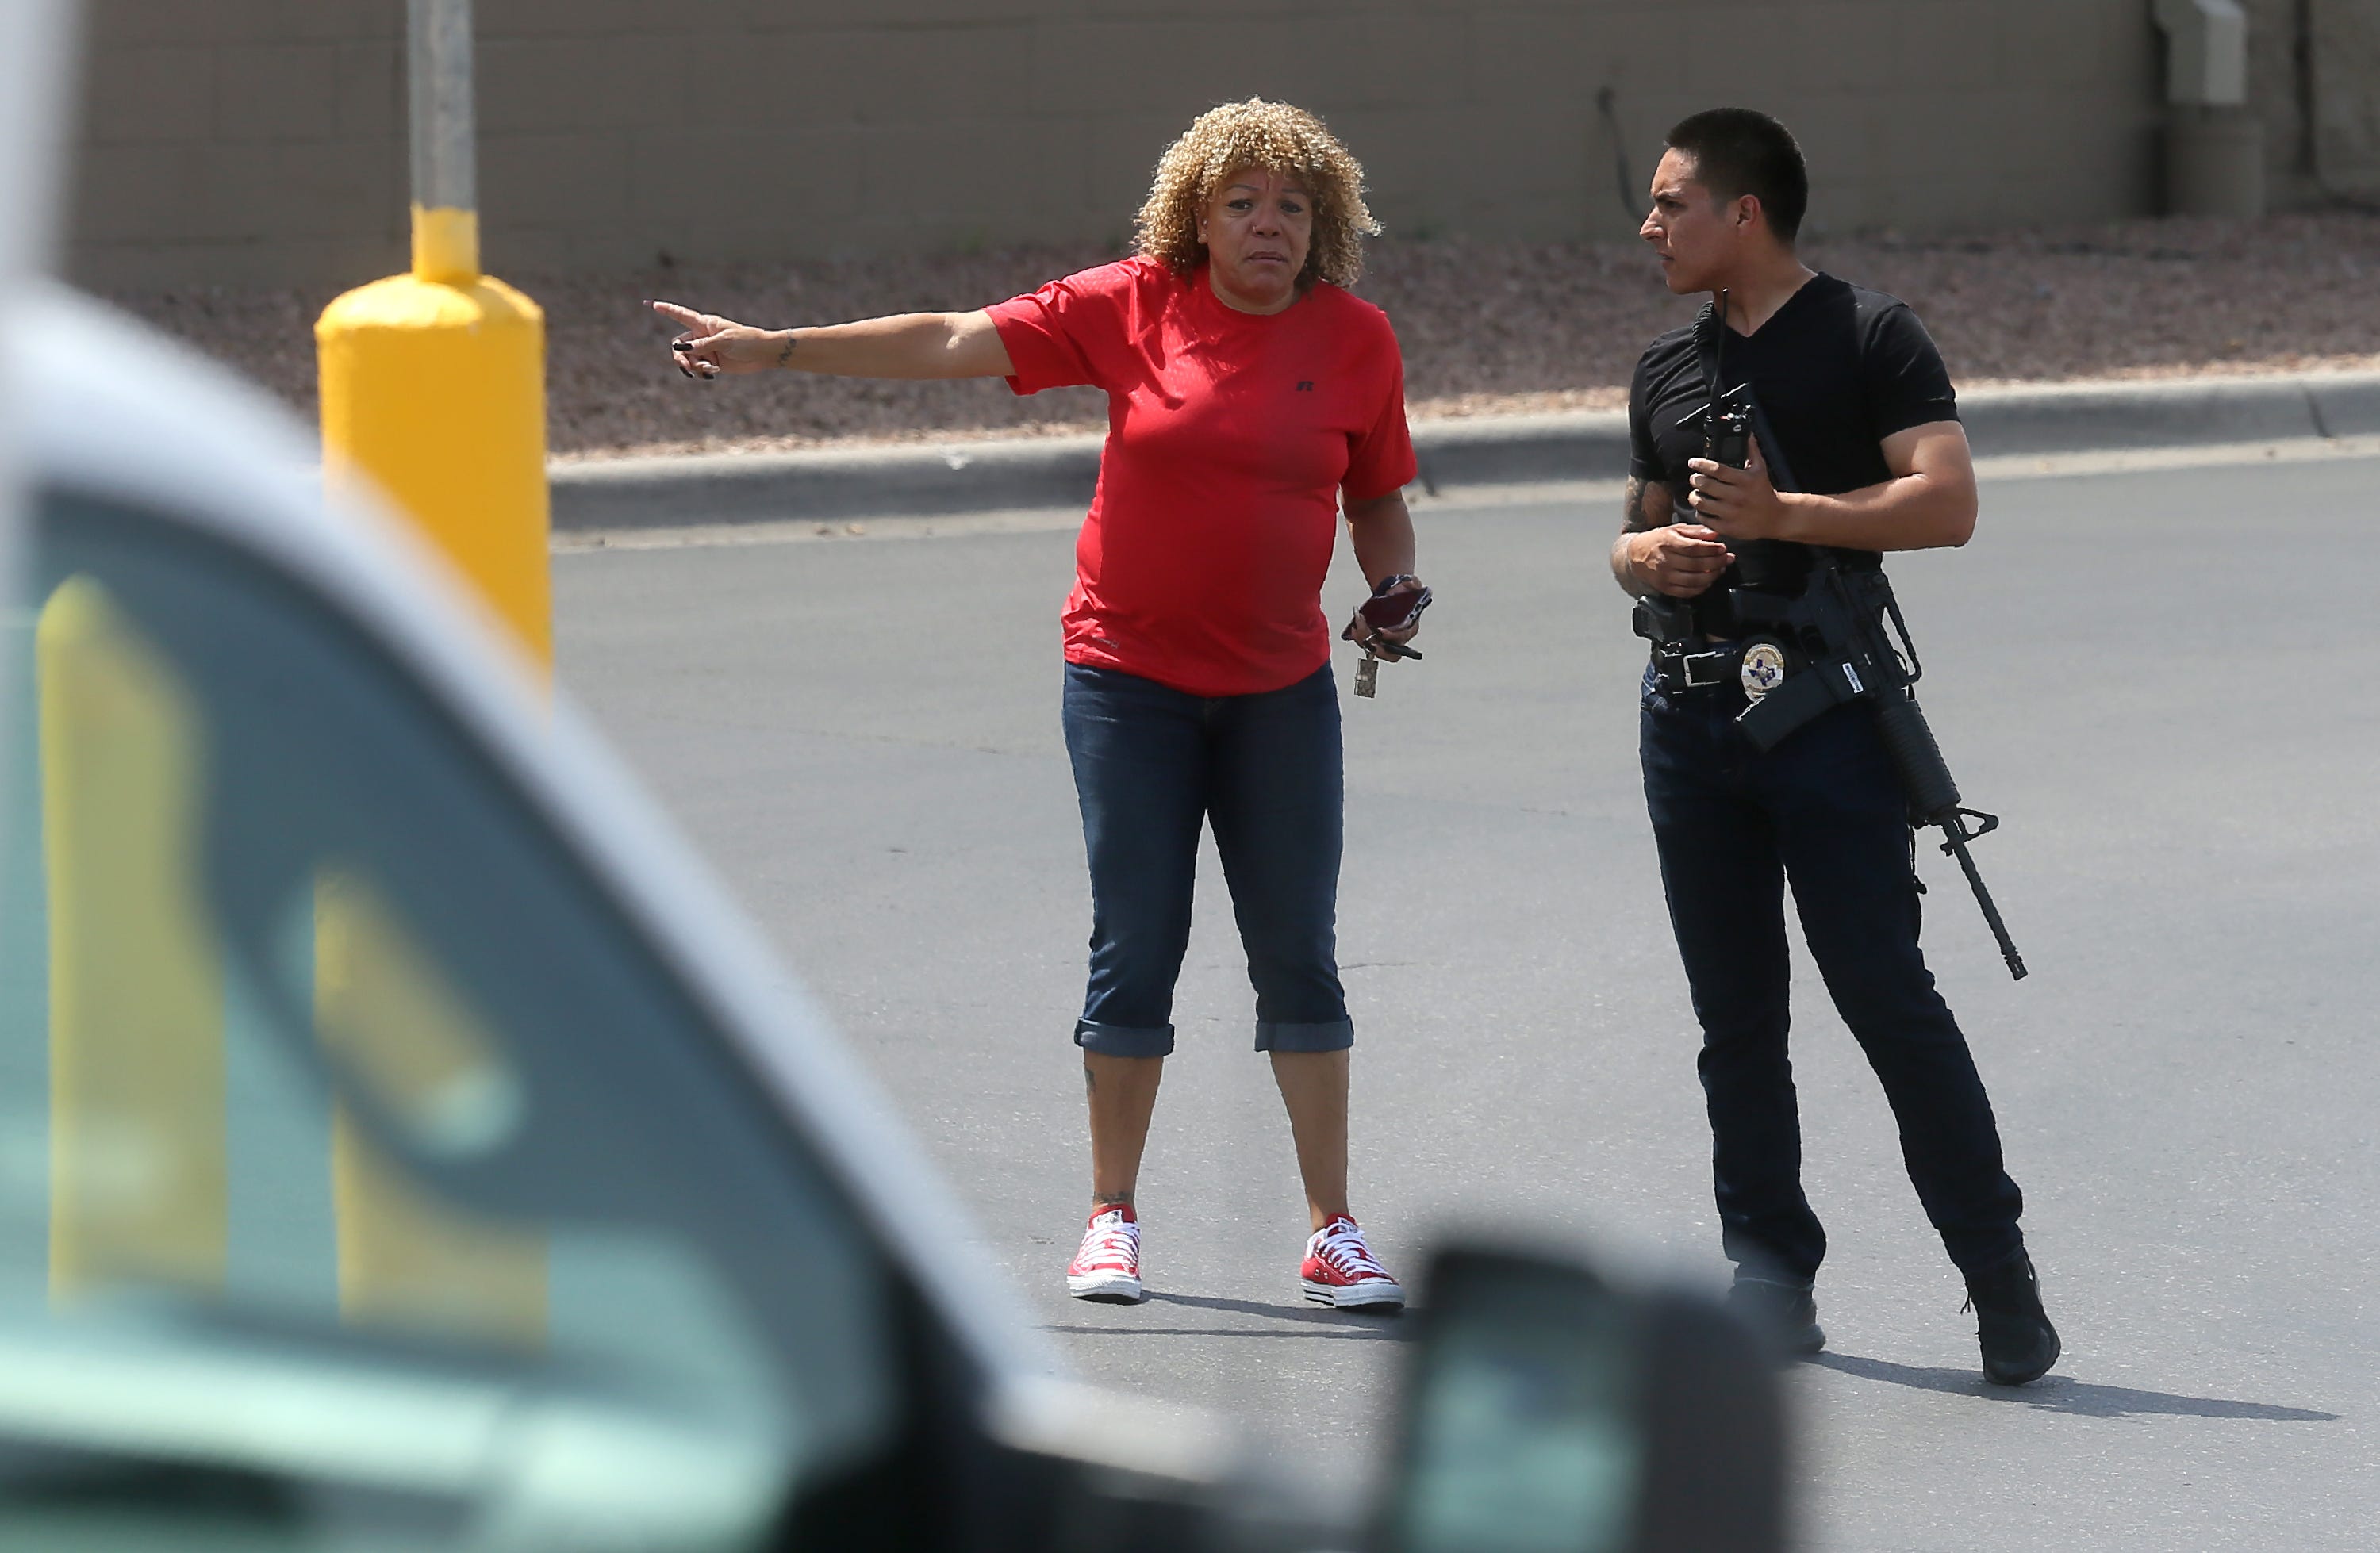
(1823, 812)
(1151, 765)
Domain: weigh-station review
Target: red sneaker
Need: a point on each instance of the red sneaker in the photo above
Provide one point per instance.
(1106, 1265)
(1340, 1270)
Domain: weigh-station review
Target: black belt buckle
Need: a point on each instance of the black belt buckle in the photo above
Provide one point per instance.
(1676, 671)
(1718, 664)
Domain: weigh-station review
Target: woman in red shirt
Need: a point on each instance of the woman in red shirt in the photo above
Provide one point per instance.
(1249, 396)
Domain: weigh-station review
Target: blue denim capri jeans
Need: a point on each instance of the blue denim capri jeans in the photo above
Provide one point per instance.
(1151, 765)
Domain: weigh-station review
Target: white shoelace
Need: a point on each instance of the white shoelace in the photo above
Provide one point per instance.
(1342, 1248)
(1112, 1241)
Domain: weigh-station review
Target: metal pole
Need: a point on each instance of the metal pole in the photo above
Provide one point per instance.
(445, 159)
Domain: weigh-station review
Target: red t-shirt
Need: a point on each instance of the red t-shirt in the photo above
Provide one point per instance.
(1230, 437)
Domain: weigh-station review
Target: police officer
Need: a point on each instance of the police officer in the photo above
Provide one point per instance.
(1857, 404)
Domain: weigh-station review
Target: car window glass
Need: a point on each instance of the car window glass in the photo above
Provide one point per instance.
(331, 1084)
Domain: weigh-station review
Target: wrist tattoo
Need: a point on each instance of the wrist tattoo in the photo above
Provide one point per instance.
(787, 354)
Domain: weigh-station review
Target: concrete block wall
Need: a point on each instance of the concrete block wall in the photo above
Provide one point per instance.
(2342, 93)
(238, 140)
(2313, 69)
(262, 140)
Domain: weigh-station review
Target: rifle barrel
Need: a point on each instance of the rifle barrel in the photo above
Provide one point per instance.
(1957, 847)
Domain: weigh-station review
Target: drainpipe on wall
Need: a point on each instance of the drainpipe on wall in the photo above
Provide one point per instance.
(2214, 146)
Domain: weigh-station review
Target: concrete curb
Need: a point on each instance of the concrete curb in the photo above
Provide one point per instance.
(939, 480)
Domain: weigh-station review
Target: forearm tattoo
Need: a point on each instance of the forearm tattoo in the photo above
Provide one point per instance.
(786, 355)
(1635, 514)
(1636, 518)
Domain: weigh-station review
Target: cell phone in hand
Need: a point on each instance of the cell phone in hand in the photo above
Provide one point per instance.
(1395, 612)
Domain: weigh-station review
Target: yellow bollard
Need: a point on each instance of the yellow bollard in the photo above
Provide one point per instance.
(138, 1170)
(433, 386)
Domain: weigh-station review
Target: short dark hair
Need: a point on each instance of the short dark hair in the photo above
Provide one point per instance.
(1739, 152)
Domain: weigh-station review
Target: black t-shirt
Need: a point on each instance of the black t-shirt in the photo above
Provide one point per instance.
(1835, 371)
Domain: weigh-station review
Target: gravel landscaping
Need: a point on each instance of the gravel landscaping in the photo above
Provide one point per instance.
(1487, 327)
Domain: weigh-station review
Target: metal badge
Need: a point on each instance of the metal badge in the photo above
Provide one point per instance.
(1764, 668)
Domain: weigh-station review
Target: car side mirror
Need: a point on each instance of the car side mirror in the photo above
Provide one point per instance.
(1546, 1412)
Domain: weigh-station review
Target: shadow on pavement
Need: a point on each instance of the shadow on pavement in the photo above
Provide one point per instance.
(2057, 1394)
(1307, 1321)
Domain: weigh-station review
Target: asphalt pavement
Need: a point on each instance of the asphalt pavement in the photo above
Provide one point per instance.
(2160, 678)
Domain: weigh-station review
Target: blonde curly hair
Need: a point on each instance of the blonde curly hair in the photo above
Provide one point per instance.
(1275, 137)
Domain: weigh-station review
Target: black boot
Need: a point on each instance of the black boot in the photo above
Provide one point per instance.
(2017, 1341)
(1785, 1312)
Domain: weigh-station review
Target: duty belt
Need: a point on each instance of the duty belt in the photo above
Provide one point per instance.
(1683, 659)
(1784, 688)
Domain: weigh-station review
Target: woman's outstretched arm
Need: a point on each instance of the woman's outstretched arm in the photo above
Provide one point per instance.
(903, 346)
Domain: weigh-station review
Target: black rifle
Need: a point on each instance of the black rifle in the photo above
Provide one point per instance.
(1835, 631)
